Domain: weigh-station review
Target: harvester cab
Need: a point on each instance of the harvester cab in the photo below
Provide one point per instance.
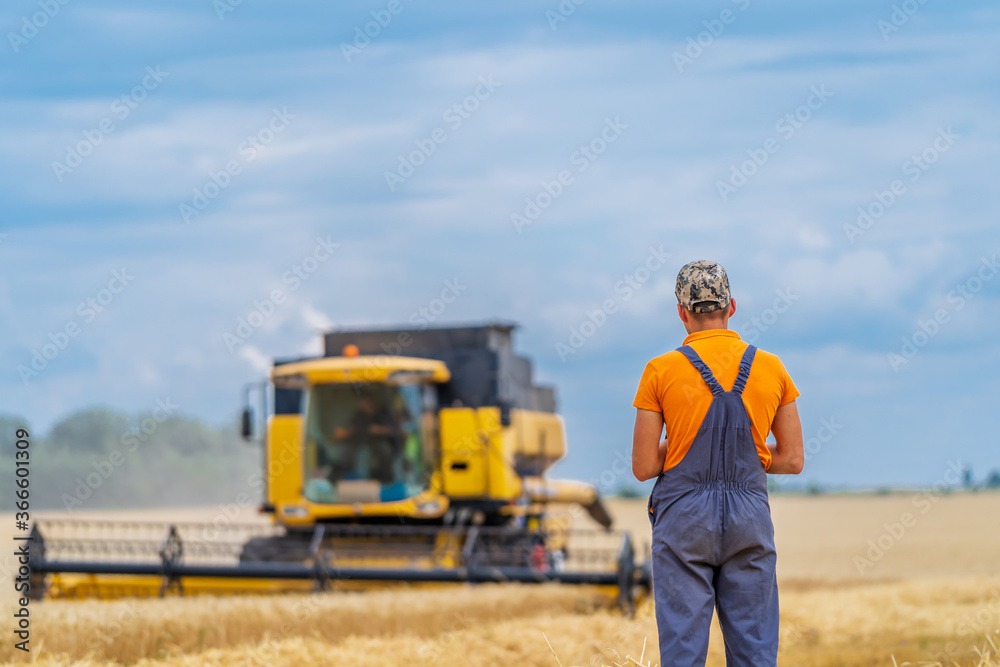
(414, 455)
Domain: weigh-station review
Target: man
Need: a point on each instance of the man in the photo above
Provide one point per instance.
(374, 437)
(713, 541)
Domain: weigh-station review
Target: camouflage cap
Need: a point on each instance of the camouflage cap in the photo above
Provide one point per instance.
(703, 283)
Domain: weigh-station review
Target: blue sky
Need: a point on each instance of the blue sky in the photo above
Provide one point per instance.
(754, 146)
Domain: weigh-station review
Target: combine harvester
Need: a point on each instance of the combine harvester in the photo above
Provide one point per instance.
(401, 455)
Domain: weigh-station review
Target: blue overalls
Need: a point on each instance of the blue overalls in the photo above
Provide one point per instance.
(713, 540)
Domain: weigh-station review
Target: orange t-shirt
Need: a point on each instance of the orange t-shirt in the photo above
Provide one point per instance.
(672, 386)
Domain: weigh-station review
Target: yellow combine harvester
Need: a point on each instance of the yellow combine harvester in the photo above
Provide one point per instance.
(400, 456)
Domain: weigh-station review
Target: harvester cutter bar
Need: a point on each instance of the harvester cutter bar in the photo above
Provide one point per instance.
(308, 572)
(331, 552)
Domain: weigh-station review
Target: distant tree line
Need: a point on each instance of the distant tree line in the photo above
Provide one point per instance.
(99, 458)
(780, 485)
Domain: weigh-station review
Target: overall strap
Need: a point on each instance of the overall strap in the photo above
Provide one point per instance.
(702, 367)
(745, 363)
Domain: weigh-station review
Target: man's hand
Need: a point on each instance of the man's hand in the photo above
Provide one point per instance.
(648, 451)
(787, 455)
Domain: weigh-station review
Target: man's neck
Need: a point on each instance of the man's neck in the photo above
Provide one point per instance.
(693, 327)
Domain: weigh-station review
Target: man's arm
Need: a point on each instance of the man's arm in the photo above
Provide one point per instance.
(648, 451)
(787, 455)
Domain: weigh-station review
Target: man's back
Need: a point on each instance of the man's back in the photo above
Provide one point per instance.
(672, 386)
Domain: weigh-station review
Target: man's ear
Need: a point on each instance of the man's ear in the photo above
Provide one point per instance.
(732, 306)
(682, 313)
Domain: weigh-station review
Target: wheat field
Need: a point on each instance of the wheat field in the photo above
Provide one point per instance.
(930, 597)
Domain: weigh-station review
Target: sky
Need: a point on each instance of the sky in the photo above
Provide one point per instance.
(172, 168)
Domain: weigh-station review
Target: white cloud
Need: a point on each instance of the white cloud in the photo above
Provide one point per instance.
(857, 278)
(259, 361)
(314, 319)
